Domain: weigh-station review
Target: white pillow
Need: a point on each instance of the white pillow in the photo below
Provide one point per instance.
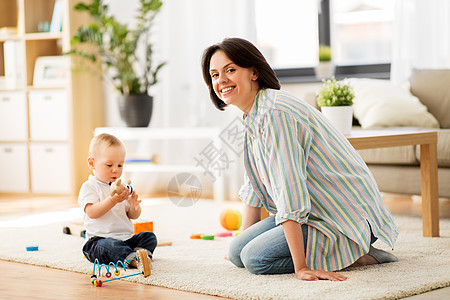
(379, 103)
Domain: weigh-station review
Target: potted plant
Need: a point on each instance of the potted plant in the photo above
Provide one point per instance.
(325, 68)
(114, 47)
(335, 99)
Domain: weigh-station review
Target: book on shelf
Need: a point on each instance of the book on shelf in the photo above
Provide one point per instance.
(137, 160)
(13, 64)
(6, 32)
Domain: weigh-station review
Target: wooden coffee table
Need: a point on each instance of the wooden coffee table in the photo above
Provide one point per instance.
(369, 139)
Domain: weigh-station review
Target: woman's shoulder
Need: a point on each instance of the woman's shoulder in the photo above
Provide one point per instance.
(274, 94)
(280, 98)
(284, 101)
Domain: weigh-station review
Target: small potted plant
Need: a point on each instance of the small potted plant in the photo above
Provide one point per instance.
(114, 47)
(325, 67)
(335, 99)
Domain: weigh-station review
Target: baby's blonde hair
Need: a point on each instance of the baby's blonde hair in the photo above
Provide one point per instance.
(105, 140)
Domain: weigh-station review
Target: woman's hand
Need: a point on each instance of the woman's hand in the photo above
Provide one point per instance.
(311, 275)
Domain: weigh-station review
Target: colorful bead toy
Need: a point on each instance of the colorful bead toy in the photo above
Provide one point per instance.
(142, 260)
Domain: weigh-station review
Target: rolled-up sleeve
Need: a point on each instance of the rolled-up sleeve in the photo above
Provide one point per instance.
(286, 161)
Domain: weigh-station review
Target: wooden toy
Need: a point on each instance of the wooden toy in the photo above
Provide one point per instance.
(207, 237)
(143, 262)
(196, 236)
(32, 248)
(164, 244)
(231, 219)
(76, 228)
(117, 187)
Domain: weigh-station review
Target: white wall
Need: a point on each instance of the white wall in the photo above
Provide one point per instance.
(184, 28)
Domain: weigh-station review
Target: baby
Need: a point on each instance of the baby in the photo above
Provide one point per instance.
(107, 218)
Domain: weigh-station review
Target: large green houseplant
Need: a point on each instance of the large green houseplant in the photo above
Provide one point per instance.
(335, 99)
(114, 47)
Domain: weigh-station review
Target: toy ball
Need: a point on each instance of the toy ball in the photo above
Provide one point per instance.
(231, 219)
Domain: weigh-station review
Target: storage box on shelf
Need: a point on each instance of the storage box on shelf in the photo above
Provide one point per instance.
(40, 145)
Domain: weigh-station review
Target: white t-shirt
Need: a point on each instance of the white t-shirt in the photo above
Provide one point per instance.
(115, 223)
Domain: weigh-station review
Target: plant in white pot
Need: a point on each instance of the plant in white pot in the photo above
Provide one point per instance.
(114, 47)
(325, 67)
(335, 99)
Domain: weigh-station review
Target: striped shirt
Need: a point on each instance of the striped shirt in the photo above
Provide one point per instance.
(299, 167)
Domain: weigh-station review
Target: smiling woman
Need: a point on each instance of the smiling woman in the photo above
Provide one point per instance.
(302, 170)
(232, 83)
(222, 63)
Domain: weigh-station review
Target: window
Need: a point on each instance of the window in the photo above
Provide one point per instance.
(286, 32)
(359, 31)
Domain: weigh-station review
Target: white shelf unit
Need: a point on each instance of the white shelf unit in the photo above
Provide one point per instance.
(45, 129)
(142, 134)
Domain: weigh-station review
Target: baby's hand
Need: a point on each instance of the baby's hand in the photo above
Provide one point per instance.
(134, 201)
(117, 198)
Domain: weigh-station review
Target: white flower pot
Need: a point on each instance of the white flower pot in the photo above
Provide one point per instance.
(324, 70)
(340, 116)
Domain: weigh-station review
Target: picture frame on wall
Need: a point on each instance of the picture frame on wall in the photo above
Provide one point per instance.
(50, 71)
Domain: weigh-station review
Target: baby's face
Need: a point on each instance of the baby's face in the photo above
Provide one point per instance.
(108, 165)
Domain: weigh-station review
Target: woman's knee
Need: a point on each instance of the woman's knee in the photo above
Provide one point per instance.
(234, 252)
(253, 261)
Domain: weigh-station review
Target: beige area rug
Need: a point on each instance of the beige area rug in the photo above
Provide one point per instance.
(199, 265)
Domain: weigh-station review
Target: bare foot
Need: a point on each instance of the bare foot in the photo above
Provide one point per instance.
(133, 263)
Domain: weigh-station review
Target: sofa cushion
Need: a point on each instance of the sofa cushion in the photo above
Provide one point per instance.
(379, 103)
(443, 148)
(432, 87)
(405, 155)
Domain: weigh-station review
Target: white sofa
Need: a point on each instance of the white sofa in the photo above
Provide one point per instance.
(397, 169)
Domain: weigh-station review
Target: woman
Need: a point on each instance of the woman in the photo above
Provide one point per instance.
(302, 170)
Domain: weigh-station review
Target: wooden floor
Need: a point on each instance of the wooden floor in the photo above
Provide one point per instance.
(21, 281)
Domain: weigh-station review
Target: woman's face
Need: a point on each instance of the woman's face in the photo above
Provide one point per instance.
(234, 85)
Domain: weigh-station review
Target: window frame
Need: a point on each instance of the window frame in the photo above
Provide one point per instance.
(304, 75)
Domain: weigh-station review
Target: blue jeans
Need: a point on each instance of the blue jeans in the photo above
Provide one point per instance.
(262, 248)
(108, 250)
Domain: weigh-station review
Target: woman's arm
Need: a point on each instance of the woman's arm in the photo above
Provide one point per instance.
(250, 216)
(294, 236)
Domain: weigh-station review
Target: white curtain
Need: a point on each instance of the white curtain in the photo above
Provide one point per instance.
(188, 27)
(421, 37)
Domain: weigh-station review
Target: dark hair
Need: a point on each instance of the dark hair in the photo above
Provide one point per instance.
(245, 55)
